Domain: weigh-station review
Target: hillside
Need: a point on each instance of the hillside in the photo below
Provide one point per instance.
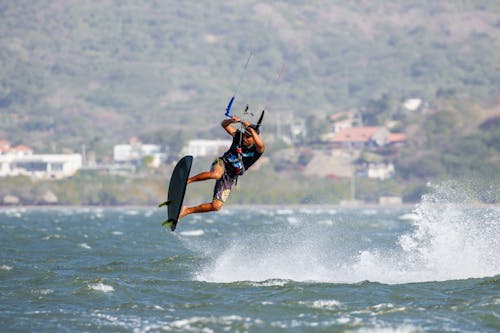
(98, 72)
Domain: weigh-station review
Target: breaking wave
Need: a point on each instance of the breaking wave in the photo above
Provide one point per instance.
(449, 239)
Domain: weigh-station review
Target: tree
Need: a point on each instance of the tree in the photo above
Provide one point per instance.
(378, 110)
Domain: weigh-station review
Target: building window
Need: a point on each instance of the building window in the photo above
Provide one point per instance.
(31, 166)
(56, 166)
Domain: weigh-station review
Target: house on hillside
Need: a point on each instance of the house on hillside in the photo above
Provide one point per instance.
(380, 171)
(200, 148)
(364, 137)
(134, 152)
(343, 120)
(4, 146)
(397, 139)
(412, 104)
(21, 161)
(43, 166)
(20, 150)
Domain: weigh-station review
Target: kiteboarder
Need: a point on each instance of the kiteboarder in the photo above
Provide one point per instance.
(247, 147)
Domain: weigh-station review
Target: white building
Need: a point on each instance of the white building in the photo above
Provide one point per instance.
(381, 171)
(412, 104)
(347, 119)
(136, 151)
(54, 166)
(124, 153)
(199, 148)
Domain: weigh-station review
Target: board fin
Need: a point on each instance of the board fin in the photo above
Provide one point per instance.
(171, 223)
(166, 203)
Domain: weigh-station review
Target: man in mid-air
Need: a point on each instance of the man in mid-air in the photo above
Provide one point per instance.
(247, 147)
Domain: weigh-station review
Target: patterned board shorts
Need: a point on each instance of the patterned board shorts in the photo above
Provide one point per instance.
(223, 185)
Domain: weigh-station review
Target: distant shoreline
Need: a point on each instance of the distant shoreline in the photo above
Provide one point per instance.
(245, 206)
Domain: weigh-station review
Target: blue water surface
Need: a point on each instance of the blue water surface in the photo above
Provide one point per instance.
(251, 269)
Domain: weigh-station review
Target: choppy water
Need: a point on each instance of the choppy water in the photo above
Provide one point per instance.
(252, 270)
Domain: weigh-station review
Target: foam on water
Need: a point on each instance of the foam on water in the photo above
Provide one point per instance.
(389, 329)
(192, 324)
(270, 283)
(14, 212)
(42, 291)
(193, 233)
(101, 287)
(449, 240)
(323, 304)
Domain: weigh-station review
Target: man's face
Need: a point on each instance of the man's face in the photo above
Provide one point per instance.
(248, 139)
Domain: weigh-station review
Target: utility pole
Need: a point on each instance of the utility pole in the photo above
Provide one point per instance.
(84, 156)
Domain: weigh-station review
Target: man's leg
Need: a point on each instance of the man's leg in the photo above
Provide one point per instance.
(203, 208)
(222, 189)
(215, 172)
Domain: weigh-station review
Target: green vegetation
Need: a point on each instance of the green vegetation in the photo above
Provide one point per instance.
(452, 144)
(99, 72)
(95, 73)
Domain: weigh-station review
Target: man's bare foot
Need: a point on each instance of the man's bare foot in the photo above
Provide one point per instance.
(183, 212)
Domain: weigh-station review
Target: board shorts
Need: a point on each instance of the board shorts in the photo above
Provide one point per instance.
(223, 185)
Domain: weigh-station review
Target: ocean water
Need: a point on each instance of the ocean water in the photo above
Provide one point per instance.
(430, 268)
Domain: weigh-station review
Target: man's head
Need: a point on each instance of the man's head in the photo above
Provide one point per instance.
(248, 139)
(255, 128)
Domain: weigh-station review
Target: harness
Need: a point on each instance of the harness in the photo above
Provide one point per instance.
(235, 161)
(233, 158)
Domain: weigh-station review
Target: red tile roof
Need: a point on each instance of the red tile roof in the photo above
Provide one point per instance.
(356, 134)
(341, 116)
(397, 137)
(22, 148)
(4, 146)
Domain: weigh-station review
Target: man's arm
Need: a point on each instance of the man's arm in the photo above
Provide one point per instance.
(226, 124)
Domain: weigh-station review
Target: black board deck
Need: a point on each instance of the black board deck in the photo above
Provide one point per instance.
(177, 190)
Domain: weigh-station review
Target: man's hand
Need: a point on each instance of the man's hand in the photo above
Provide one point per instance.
(226, 124)
(228, 121)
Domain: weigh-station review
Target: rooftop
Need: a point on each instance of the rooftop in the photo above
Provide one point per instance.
(356, 134)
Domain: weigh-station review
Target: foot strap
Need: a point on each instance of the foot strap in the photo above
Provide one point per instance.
(166, 203)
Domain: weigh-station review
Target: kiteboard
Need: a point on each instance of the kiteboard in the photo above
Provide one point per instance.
(176, 191)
